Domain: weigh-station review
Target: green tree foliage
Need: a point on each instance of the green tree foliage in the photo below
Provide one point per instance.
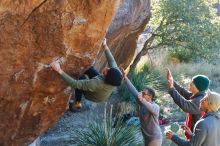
(187, 24)
(182, 54)
(190, 24)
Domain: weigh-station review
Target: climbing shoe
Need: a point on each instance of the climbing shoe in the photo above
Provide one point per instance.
(75, 106)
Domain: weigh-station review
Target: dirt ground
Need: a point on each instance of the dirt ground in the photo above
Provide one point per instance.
(62, 132)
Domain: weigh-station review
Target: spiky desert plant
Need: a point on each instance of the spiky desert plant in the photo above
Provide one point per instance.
(101, 132)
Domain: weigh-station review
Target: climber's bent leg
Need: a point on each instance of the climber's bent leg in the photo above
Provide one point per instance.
(75, 103)
(92, 72)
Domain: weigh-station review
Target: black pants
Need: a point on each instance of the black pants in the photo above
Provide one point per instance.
(91, 72)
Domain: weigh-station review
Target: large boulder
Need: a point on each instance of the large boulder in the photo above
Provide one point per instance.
(33, 33)
(129, 22)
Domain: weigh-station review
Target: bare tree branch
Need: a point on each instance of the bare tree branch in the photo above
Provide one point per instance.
(147, 46)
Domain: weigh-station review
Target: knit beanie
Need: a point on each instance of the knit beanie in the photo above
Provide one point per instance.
(214, 100)
(201, 82)
(113, 77)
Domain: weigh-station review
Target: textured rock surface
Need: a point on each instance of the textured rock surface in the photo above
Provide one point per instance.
(129, 22)
(34, 32)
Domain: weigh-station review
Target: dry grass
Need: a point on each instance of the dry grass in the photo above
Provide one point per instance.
(183, 72)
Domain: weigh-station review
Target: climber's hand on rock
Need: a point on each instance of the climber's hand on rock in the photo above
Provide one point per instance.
(56, 66)
(124, 73)
(104, 42)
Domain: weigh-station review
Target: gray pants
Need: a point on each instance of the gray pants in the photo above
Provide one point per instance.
(149, 141)
(153, 142)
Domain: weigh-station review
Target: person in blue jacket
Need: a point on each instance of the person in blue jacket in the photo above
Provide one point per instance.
(207, 130)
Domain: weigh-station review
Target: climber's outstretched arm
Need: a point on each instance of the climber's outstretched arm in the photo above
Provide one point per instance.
(85, 85)
(109, 56)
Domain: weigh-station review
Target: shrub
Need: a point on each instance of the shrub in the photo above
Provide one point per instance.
(145, 76)
(101, 132)
(181, 54)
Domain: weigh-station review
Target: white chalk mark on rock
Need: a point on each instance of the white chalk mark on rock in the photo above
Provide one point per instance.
(79, 20)
(18, 74)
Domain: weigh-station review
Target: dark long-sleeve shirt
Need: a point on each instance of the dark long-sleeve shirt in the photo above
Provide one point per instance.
(188, 102)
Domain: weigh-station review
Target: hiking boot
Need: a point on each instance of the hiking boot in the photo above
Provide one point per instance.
(75, 106)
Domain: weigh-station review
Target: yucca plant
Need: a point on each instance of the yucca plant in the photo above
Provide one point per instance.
(101, 132)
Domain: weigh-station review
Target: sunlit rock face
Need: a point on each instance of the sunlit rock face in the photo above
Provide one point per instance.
(130, 20)
(33, 33)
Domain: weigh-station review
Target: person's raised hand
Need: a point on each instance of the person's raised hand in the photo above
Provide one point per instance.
(124, 73)
(169, 134)
(140, 96)
(104, 42)
(169, 78)
(56, 66)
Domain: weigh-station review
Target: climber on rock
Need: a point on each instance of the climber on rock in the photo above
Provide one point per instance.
(94, 86)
